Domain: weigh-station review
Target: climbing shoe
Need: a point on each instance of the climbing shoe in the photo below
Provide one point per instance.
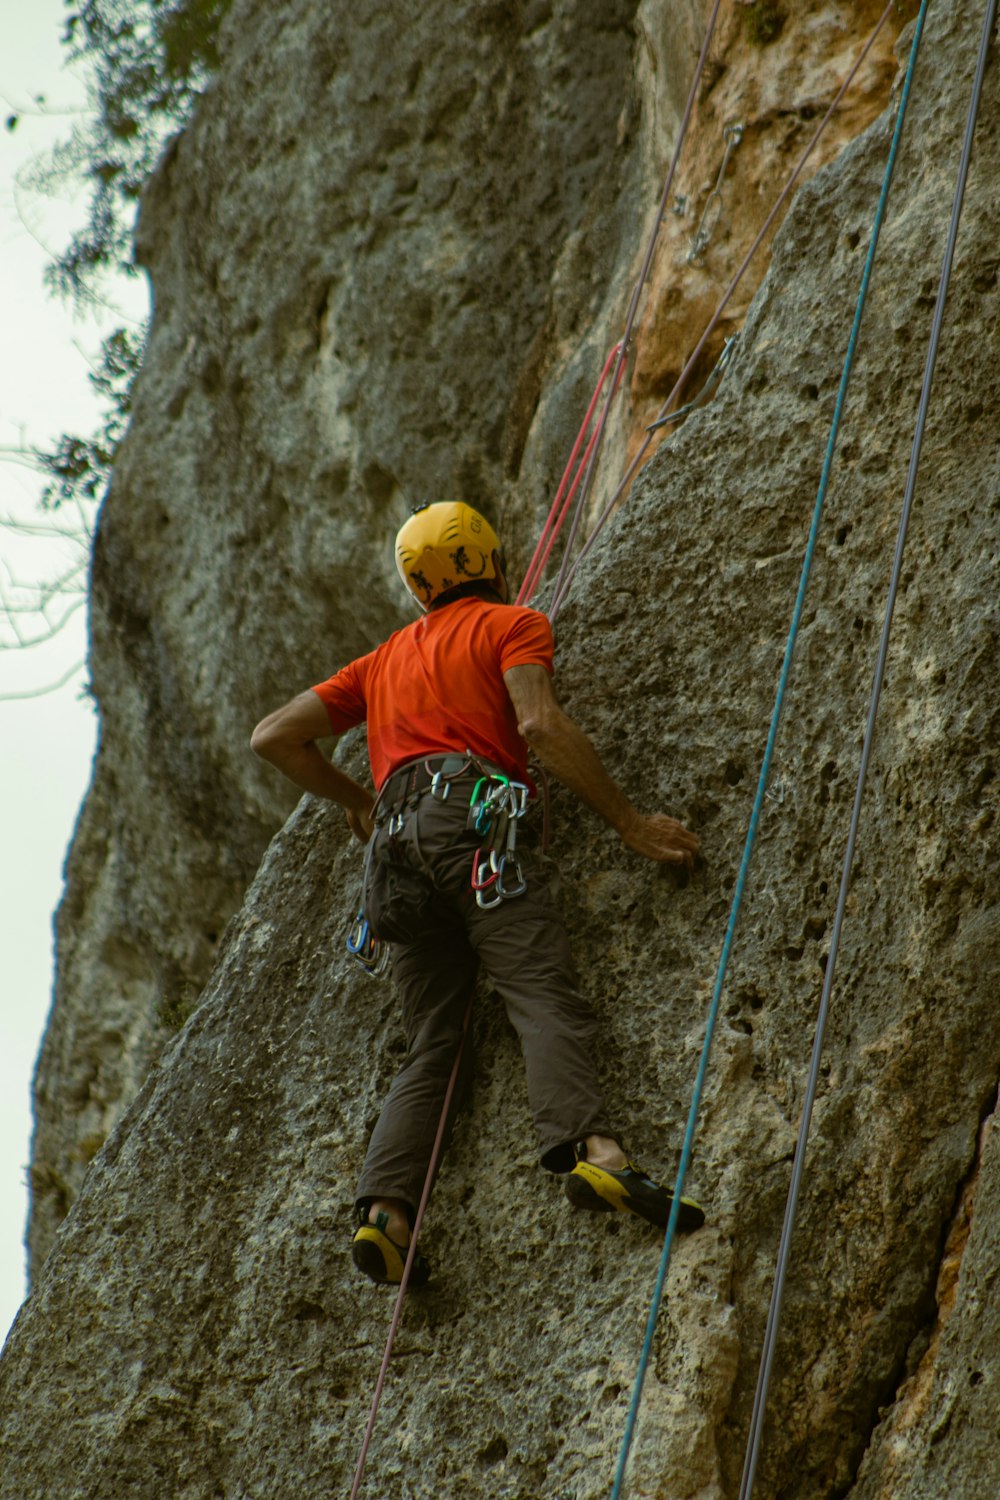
(628, 1191)
(381, 1259)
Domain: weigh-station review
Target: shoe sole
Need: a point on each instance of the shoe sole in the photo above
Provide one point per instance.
(380, 1260)
(614, 1197)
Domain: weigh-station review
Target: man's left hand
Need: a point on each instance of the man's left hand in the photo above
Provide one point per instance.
(662, 838)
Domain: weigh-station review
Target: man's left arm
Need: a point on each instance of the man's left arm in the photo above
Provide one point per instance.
(287, 738)
(564, 749)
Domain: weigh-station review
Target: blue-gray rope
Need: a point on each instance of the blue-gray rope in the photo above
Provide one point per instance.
(774, 1312)
(751, 837)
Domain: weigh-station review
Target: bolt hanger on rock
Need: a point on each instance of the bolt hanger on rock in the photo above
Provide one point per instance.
(732, 134)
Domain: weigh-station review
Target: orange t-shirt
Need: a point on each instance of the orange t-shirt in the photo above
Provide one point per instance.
(437, 686)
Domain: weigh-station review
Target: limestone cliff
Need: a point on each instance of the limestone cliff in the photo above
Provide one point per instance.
(387, 257)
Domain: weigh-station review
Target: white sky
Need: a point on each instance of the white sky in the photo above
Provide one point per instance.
(46, 743)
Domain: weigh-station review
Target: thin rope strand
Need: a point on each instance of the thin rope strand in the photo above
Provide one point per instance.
(556, 517)
(572, 491)
(777, 1296)
(568, 573)
(758, 804)
(619, 365)
(552, 523)
(410, 1257)
(634, 304)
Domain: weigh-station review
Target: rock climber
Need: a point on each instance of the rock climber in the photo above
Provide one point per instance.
(453, 703)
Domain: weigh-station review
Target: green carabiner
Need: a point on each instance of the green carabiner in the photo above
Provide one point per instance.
(475, 790)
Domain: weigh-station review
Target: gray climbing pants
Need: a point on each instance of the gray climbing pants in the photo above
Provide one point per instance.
(522, 945)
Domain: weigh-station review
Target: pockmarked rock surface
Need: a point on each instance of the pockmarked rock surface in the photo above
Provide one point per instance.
(196, 1327)
(350, 252)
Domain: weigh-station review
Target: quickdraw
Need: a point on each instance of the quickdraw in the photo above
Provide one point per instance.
(362, 943)
(495, 808)
(707, 391)
(732, 134)
(371, 953)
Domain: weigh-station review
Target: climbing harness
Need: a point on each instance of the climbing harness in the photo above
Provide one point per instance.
(732, 134)
(396, 799)
(496, 806)
(777, 1294)
(568, 570)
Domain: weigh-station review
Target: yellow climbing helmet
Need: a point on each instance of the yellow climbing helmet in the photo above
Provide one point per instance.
(443, 545)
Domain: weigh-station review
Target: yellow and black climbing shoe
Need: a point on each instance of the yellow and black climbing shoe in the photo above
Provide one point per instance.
(629, 1191)
(381, 1259)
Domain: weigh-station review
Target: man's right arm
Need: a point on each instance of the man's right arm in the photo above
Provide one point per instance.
(287, 738)
(565, 750)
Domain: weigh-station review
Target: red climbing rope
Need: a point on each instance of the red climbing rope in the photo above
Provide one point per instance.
(580, 488)
(626, 337)
(536, 568)
(568, 571)
(557, 515)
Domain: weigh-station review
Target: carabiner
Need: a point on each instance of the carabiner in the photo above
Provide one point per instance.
(359, 939)
(480, 866)
(506, 892)
(518, 798)
(438, 780)
(477, 807)
(475, 790)
(481, 883)
(362, 944)
(375, 963)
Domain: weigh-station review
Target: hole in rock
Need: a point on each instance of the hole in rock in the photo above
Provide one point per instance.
(494, 1453)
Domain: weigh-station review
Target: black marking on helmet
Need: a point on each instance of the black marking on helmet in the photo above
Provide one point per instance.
(422, 582)
(461, 560)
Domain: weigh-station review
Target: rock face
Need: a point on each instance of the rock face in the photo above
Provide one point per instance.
(425, 307)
